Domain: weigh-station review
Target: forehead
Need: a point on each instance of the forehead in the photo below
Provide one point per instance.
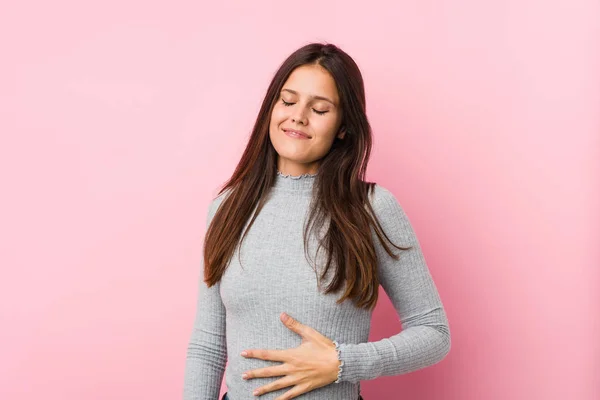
(312, 80)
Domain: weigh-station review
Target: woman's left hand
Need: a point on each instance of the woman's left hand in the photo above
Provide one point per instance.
(309, 366)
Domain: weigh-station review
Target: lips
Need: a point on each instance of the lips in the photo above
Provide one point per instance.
(294, 131)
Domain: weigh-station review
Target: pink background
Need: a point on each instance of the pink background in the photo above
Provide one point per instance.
(119, 120)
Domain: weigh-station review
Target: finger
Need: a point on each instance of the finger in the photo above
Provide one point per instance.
(278, 384)
(294, 325)
(279, 370)
(294, 392)
(262, 354)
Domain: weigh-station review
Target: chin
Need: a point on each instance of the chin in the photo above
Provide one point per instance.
(292, 156)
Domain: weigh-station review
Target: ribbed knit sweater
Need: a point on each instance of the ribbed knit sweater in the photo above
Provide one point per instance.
(242, 310)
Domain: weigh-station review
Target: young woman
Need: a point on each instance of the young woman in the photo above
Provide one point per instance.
(296, 246)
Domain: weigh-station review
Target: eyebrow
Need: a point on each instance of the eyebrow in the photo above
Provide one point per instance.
(312, 97)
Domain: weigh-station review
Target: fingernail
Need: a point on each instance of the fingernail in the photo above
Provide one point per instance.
(255, 393)
(244, 353)
(244, 376)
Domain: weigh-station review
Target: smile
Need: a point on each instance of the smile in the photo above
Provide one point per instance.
(296, 134)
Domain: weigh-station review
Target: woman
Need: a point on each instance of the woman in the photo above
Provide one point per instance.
(296, 246)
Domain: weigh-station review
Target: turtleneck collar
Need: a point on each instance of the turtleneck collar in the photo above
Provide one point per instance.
(301, 183)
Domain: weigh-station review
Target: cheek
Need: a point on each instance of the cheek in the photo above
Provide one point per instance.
(278, 115)
(277, 119)
(325, 126)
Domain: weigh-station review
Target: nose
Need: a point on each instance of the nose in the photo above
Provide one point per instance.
(299, 117)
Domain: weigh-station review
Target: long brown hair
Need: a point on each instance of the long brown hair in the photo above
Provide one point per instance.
(340, 193)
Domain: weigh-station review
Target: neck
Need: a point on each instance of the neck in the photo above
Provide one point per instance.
(300, 183)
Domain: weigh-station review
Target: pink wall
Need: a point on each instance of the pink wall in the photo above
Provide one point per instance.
(120, 119)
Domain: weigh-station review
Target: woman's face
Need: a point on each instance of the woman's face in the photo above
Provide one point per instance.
(308, 104)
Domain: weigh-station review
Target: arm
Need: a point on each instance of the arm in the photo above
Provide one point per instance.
(207, 351)
(425, 336)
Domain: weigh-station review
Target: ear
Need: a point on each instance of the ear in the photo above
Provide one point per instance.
(342, 133)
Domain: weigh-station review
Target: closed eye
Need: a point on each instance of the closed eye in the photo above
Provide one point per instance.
(285, 103)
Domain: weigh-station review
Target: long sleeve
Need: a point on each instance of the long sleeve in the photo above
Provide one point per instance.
(207, 351)
(425, 336)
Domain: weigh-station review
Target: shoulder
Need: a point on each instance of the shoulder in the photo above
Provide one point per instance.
(388, 209)
(383, 200)
(215, 203)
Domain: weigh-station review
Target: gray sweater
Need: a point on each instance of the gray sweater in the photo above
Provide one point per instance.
(242, 310)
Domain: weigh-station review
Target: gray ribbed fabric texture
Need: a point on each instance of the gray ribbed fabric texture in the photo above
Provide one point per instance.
(242, 310)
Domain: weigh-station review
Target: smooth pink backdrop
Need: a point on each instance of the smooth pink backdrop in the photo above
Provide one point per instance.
(119, 120)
